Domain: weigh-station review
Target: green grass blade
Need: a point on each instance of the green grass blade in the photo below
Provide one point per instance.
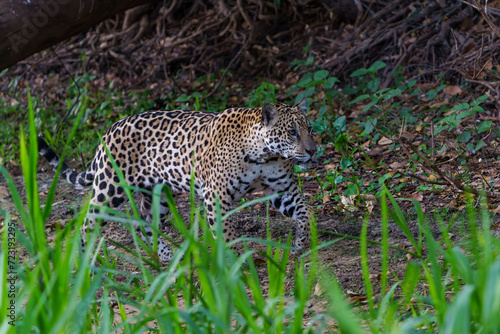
(457, 317)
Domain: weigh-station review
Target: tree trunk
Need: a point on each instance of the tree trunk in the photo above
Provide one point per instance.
(30, 26)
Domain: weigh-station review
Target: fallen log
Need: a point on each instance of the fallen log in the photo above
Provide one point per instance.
(33, 25)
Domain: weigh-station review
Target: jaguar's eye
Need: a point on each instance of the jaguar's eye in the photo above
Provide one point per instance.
(292, 132)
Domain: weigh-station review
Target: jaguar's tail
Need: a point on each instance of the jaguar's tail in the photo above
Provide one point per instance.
(84, 178)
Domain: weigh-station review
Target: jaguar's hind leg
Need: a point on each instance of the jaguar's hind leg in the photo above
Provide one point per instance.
(165, 253)
(104, 194)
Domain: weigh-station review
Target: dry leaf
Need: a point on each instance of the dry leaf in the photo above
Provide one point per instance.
(436, 105)
(318, 291)
(355, 296)
(385, 141)
(409, 256)
(488, 65)
(330, 166)
(326, 198)
(396, 165)
(347, 203)
(452, 90)
(370, 206)
(370, 202)
(408, 135)
(432, 177)
(417, 196)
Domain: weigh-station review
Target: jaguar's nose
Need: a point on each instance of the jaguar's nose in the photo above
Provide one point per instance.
(311, 152)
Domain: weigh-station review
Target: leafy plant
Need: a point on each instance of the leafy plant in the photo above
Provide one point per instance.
(264, 93)
(368, 80)
(460, 112)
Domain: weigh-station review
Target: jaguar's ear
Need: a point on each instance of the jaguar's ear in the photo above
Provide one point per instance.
(303, 105)
(269, 115)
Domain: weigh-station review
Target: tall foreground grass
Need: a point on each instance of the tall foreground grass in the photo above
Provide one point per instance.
(208, 289)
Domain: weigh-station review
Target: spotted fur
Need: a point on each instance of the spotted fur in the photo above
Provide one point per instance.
(231, 153)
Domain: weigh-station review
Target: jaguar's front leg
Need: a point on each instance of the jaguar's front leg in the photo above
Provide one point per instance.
(293, 204)
(211, 199)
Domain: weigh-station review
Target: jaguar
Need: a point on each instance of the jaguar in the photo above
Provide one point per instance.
(228, 154)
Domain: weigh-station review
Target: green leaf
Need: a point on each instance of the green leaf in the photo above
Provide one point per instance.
(383, 90)
(345, 163)
(299, 98)
(370, 125)
(340, 123)
(310, 91)
(377, 66)
(466, 113)
(392, 93)
(359, 98)
(322, 111)
(443, 149)
(359, 72)
(383, 178)
(350, 90)
(431, 94)
(411, 83)
(309, 61)
(374, 101)
(441, 87)
(461, 106)
(484, 126)
(479, 145)
(320, 75)
(477, 109)
(330, 82)
(464, 137)
(479, 100)
(183, 98)
(304, 82)
(374, 84)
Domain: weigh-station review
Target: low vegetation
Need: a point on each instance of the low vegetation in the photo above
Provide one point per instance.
(407, 154)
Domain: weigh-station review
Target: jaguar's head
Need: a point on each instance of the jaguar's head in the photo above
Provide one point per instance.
(288, 133)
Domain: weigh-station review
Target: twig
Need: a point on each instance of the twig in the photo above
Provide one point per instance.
(486, 85)
(484, 12)
(359, 7)
(432, 142)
